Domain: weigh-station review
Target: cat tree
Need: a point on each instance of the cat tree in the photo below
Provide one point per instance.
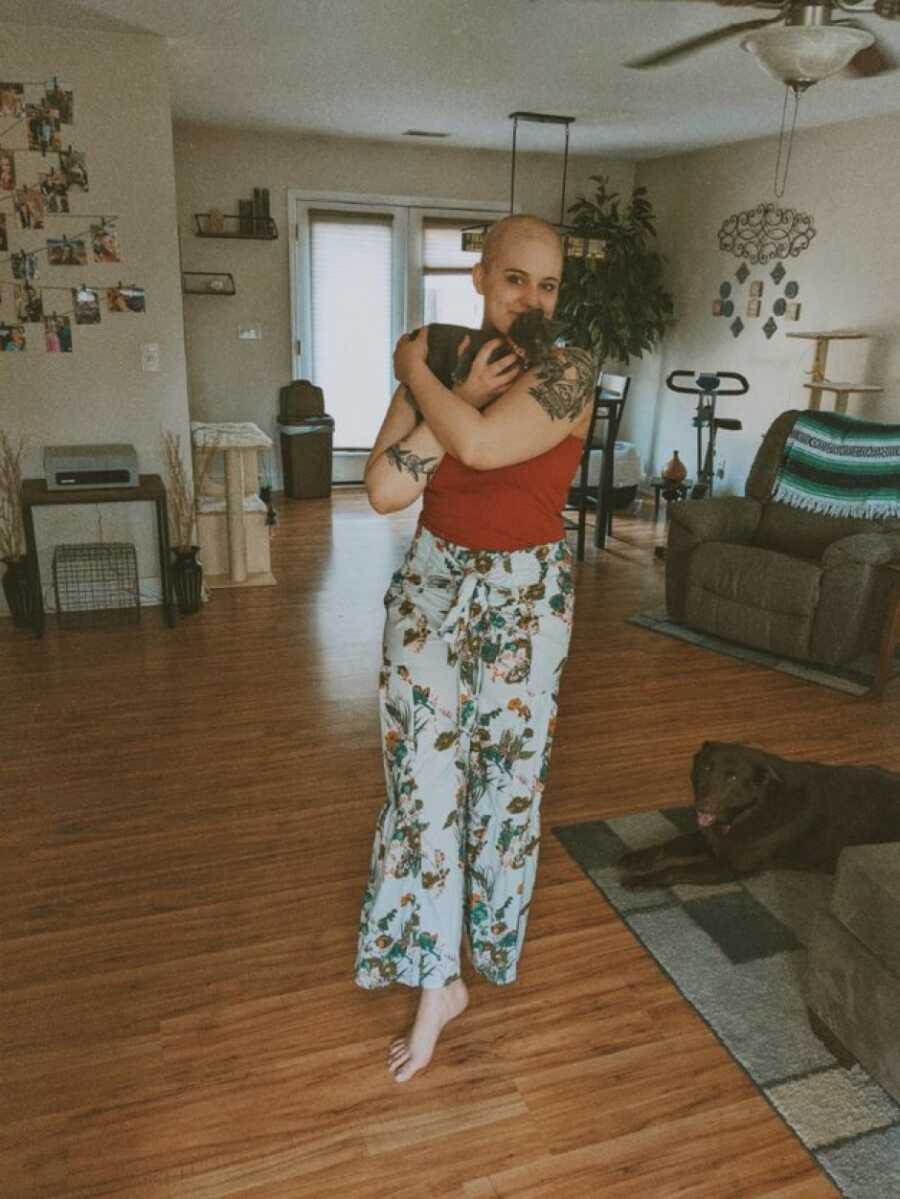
(231, 517)
(819, 382)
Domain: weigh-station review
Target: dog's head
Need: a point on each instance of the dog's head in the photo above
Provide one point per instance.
(731, 782)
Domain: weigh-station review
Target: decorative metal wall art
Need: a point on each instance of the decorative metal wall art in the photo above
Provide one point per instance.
(765, 232)
(785, 306)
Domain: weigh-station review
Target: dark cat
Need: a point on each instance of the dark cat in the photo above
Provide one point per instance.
(531, 332)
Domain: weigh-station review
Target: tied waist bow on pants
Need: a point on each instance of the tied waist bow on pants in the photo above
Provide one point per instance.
(474, 646)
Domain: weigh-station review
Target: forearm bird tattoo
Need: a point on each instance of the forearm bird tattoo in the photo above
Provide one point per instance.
(410, 463)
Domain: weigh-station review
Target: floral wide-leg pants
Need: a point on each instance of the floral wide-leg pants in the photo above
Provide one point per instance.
(474, 646)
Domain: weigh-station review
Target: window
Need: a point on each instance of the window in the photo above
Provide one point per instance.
(351, 293)
(449, 294)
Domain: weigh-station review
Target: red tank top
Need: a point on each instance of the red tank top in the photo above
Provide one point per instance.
(509, 508)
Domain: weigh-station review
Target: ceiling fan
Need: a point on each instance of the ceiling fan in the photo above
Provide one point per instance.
(801, 44)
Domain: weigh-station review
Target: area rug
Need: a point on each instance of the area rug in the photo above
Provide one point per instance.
(856, 681)
(737, 953)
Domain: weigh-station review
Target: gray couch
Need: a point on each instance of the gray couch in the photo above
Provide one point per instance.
(764, 574)
(854, 963)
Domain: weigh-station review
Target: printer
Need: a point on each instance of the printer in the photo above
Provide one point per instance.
(73, 467)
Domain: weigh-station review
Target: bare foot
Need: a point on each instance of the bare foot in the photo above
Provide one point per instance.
(437, 1007)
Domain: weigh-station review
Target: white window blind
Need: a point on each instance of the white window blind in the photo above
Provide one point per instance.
(351, 292)
(450, 295)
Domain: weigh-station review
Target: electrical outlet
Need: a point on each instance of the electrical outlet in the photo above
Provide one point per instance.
(249, 332)
(150, 357)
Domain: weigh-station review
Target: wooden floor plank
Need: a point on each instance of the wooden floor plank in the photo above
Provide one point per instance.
(187, 821)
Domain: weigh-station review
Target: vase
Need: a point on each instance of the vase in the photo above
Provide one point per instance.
(674, 471)
(187, 579)
(17, 590)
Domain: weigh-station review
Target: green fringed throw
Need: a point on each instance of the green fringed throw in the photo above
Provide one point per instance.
(841, 466)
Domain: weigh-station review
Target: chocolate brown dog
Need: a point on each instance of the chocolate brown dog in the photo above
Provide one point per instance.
(756, 810)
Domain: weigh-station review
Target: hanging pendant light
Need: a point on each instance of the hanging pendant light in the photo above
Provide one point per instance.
(575, 244)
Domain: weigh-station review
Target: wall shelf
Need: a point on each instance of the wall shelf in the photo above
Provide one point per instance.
(233, 225)
(207, 283)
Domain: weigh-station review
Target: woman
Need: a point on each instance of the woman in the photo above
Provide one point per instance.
(477, 633)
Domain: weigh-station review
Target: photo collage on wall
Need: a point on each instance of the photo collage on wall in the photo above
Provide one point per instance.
(44, 181)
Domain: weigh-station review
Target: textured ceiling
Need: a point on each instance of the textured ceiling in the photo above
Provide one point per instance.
(374, 68)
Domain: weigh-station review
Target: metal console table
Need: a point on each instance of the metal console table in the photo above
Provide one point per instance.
(150, 489)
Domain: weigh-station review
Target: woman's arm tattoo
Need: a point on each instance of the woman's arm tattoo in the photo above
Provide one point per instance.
(411, 464)
(560, 396)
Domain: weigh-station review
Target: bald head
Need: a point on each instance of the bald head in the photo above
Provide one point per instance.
(512, 228)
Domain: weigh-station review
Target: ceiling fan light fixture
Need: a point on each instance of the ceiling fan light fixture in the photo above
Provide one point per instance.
(803, 55)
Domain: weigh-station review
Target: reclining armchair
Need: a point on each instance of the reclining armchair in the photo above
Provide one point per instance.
(795, 583)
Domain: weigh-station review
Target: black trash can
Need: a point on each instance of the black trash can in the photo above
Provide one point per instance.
(306, 457)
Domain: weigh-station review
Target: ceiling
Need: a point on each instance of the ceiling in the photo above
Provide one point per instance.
(374, 68)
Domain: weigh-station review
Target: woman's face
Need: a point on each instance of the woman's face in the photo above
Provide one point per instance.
(523, 273)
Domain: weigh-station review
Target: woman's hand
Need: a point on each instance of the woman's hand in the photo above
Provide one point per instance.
(486, 380)
(410, 354)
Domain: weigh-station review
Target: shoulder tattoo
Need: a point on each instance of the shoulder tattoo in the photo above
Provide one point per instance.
(565, 384)
(411, 464)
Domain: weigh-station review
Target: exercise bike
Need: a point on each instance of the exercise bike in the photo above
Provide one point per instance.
(708, 389)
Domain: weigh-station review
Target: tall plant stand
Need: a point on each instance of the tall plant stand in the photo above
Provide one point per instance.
(819, 382)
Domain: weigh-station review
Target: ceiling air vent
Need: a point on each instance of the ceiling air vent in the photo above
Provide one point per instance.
(423, 133)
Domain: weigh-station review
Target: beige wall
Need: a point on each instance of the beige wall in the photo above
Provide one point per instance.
(234, 380)
(848, 177)
(99, 392)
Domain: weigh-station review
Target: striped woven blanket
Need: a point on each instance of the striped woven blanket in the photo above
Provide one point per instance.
(841, 466)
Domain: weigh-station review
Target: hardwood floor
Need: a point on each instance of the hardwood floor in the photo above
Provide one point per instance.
(187, 818)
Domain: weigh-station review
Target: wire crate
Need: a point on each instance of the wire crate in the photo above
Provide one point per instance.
(96, 584)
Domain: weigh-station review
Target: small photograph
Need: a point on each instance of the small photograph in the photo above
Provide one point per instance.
(86, 306)
(756, 289)
(12, 337)
(4, 240)
(29, 205)
(24, 265)
(717, 307)
(105, 242)
(12, 99)
(7, 170)
(792, 312)
(58, 334)
(754, 307)
(53, 188)
(126, 299)
(73, 165)
(43, 129)
(63, 251)
(29, 304)
(61, 102)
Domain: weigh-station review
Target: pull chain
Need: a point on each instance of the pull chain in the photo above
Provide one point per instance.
(781, 184)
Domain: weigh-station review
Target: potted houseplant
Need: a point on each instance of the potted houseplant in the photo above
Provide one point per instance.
(12, 532)
(618, 306)
(187, 572)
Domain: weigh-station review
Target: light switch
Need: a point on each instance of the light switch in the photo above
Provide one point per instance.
(150, 357)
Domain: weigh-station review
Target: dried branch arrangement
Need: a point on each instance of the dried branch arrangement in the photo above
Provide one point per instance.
(181, 497)
(12, 530)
